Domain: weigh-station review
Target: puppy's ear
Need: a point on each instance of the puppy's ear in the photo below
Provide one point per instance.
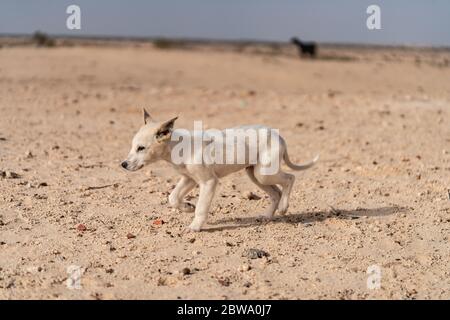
(147, 117)
(165, 130)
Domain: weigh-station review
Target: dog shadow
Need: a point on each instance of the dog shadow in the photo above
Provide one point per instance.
(306, 218)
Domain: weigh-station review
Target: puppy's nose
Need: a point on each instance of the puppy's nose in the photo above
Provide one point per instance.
(124, 164)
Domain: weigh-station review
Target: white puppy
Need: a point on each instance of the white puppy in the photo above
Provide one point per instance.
(154, 141)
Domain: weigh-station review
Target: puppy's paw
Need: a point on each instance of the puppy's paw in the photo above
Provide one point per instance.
(283, 208)
(187, 207)
(193, 227)
(266, 216)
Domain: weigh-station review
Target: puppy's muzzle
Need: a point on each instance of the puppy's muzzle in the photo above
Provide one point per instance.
(124, 164)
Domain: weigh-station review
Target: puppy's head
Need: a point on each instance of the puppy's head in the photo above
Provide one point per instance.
(149, 144)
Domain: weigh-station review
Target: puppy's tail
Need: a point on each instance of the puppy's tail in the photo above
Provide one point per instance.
(299, 166)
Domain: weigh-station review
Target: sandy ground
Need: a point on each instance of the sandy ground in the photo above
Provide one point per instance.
(381, 123)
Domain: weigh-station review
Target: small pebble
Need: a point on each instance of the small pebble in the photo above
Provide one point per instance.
(158, 222)
(255, 253)
(9, 175)
(81, 227)
(224, 281)
(185, 271)
(252, 196)
(245, 267)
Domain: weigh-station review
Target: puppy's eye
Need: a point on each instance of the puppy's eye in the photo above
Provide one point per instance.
(140, 148)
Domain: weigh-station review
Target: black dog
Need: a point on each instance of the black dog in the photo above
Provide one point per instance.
(305, 48)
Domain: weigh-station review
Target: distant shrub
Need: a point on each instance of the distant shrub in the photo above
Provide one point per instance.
(241, 46)
(41, 39)
(162, 43)
(276, 48)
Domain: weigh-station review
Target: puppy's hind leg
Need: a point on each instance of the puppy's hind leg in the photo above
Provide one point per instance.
(177, 195)
(272, 190)
(286, 180)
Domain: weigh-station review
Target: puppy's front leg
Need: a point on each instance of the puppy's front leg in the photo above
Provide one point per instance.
(182, 188)
(207, 190)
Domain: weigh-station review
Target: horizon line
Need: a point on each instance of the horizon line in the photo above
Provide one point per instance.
(204, 40)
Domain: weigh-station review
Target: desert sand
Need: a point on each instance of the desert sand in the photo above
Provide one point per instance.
(379, 117)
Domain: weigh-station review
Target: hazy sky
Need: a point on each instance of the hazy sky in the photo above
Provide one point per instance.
(424, 22)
